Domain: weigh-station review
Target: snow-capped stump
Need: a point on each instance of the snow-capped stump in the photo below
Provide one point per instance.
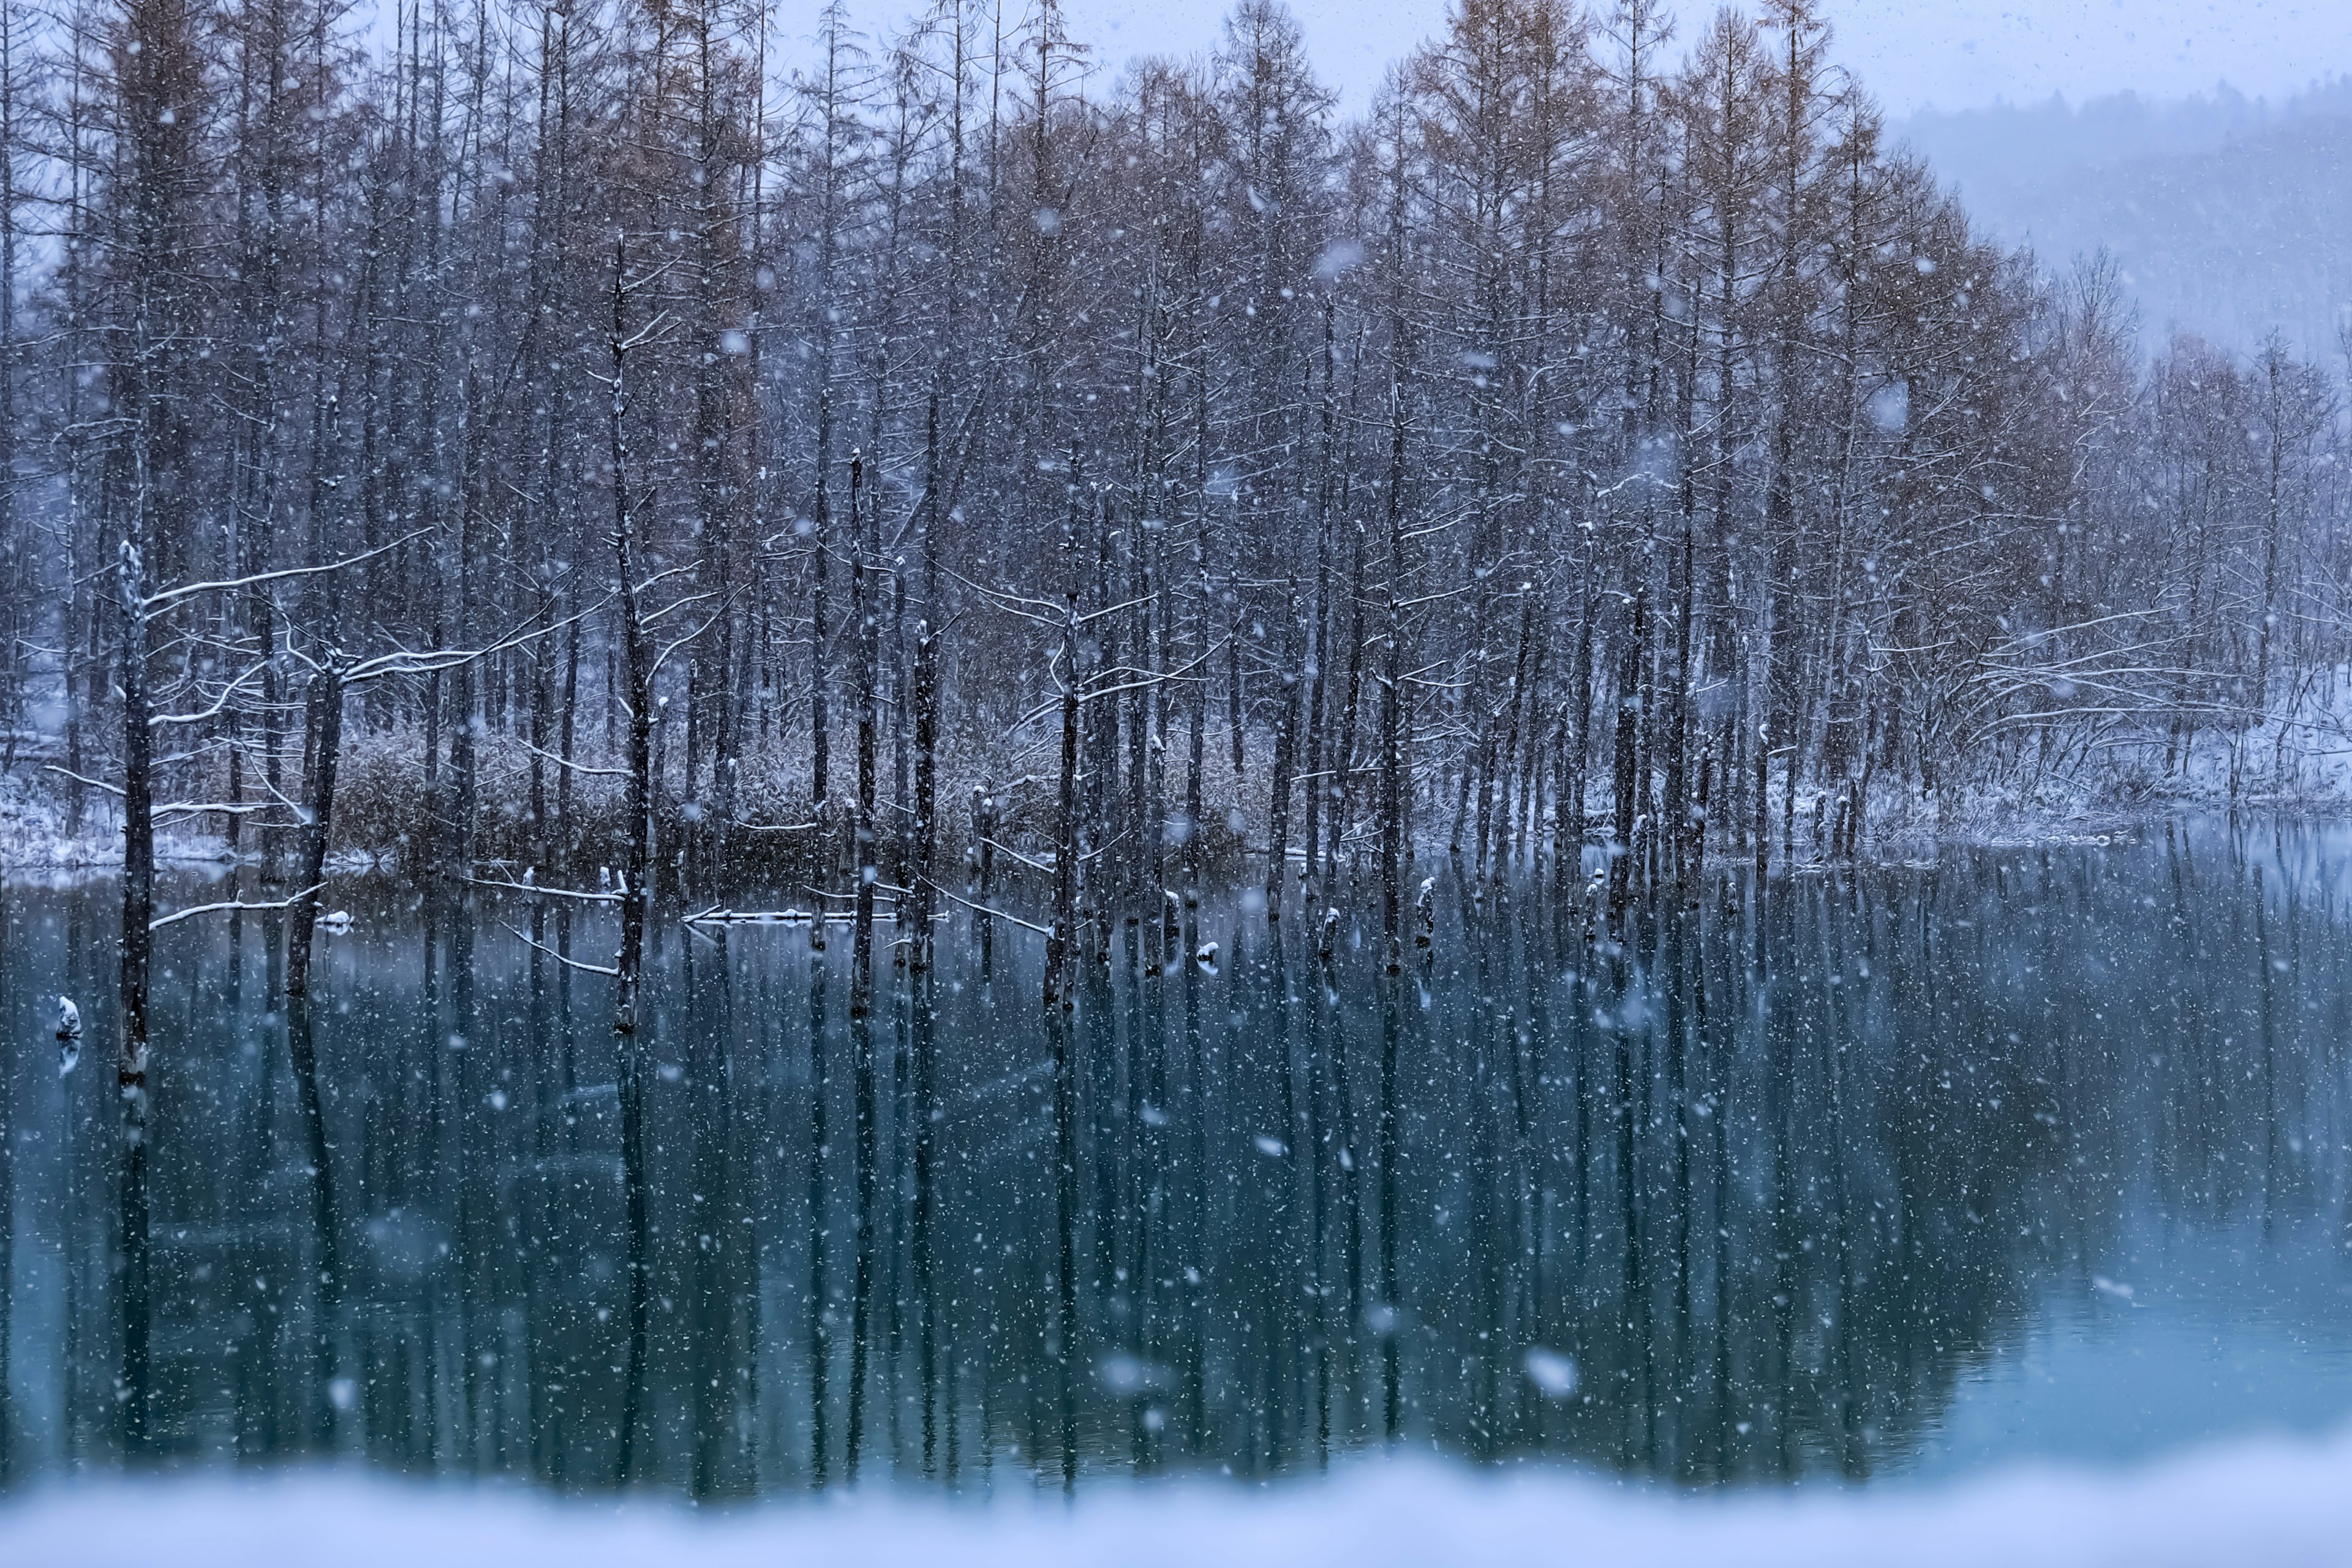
(1330, 933)
(1206, 957)
(69, 1035)
(336, 923)
(1425, 909)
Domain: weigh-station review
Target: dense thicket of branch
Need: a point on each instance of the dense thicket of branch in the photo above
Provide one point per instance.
(1601, 414)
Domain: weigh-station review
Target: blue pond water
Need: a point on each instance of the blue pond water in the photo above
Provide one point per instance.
(1913, 1170)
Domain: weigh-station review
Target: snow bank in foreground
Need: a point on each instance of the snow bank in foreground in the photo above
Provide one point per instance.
(2272, 1503)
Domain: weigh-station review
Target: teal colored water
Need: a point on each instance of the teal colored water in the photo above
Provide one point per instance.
(1914, 1170)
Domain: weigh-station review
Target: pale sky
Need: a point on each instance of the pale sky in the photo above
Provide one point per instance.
(1952, 54)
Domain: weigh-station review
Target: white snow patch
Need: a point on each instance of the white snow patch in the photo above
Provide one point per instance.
(2271, 1502)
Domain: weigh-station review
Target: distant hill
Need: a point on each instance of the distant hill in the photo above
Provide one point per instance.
(2229, 214)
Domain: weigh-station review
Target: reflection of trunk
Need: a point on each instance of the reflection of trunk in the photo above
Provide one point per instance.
(924, 1205)
(1784, 1217)
(1387, 1324)
(1719, 1056)
(300, 1049)
(1141, 1166)
(9, 1247)
(1635, 1311)
(326, 740)
(1100, 1048)
(1064, 1349)
(640, 1263)
(132, 1390)
(1352, 1197)
(1685, 1134)
(720, 1249)
(820, 1306)
(861, 1289)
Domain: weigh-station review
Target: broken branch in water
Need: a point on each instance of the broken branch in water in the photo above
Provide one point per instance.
(560, 958)
(177, 915)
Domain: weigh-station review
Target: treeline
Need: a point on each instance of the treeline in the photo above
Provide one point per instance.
(618, 449)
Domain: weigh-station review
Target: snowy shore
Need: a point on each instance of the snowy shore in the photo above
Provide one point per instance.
(2270, 1502)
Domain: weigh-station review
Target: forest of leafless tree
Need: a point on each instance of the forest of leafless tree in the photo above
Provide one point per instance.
(514, 439)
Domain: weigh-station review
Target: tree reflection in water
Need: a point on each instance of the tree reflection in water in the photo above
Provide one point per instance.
(1727, 1192)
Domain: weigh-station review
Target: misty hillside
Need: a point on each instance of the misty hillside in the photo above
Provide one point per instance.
(2227, 214)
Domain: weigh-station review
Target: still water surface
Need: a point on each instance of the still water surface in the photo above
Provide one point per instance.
(2022, 1152)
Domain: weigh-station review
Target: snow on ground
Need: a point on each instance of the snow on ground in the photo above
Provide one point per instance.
(35, 837)
(2274, 1503)
(33, 831)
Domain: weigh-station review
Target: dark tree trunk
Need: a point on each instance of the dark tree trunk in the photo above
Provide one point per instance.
(1626, 782)
(138, 950)
(1066, 831)
(637, 888)
(1394, 726)
(862, 617)
(326, 723)
(1286, 748)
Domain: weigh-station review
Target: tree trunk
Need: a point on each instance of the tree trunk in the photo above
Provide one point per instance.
(1286, 747)
(1066, 831)
(326, 744)
(1626, 782)
(863, 617)
(138, 950)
